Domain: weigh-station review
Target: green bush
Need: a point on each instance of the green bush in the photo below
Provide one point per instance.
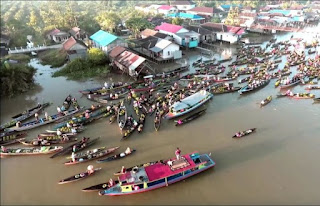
(82, 68)
(18, 57)
(54, 57)
(16, 78)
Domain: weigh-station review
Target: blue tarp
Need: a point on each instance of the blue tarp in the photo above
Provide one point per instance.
(284, 12)
(186, 16)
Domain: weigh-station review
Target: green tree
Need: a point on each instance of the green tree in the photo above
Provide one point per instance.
(137, 24)
(97, 56)
(215, 20)
(108, 21)
(177, 21)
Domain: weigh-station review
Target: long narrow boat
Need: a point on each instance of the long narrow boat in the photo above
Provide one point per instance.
(266, 101)
(80, 117)
(115, 157)
(122, 117)
(79, 146)
(9, 138)
(103, 89)
(105, 99)
(316, 99)
(188, 104)
(283, 86)
(30, 151)
(302, 96)
(248, 88)
(244, 80)
(98, 187)
(14, 141)
(190, 118)
(25, 115)
(77, 177)
(91, 155)
(42, 121)
(233, 89)
(36, 142)
(225, 60)
(310, 87)
(143, 179)
(128, 132)
(244, 133)
(157, 119)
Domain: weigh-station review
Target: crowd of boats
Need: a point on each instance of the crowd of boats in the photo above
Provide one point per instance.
(164, 96)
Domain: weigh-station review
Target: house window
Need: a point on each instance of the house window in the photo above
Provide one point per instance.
(168, 52)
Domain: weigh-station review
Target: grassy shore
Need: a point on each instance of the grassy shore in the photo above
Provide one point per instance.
(82, 68)
(53, 57)
(22, 58)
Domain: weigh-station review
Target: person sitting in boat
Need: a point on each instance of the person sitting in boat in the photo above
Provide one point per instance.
(238, 134)
(3, 149)
(169, 162)
(59, 133)
(90, 170)
(18, 124)
(87, 114)
(179, 121)
(65, 138)
(128, 151)
(111, 182)
(83, 140)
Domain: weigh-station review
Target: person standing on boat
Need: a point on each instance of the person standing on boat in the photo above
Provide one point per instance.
(46, 116)
(169, 162)
(73, 157)
(123, 170)
(36, 115)
(177, 153)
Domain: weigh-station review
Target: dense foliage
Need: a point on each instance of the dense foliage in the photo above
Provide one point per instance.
(15, 78)
(22, 18)
(95, 65)
(54, 57)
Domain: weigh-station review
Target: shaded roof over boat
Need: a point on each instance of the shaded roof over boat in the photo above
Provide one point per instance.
(160, 171)
(190, 101)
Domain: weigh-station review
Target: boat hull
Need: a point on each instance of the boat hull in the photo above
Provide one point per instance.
(161, 184)
(170, 115)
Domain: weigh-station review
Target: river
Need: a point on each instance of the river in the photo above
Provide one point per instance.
(278, 164)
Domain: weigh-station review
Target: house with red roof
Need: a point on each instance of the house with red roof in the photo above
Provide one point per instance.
(131, 63)
(78, 33)
(74, 48)
(166, 9)
(207, 12)
(180, 35)
(57, 36)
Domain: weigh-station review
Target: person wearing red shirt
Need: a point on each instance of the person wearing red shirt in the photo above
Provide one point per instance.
(177, 153)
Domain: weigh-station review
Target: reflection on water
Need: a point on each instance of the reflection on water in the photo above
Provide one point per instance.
(276, 164)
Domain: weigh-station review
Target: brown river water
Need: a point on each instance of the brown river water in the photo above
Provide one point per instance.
(278, 164)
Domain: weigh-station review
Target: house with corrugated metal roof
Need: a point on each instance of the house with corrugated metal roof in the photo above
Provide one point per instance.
(206, 36)
(180, 35)
(57, 36)
(225, 33)
(78, 33)
(74, 48)
(132, 64)
(157, 49)
(106, 41)
(206, 11)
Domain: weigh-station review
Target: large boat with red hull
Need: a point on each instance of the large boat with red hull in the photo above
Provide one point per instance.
(161, 174)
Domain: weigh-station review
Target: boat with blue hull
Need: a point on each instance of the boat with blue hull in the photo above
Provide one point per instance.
(143, 179)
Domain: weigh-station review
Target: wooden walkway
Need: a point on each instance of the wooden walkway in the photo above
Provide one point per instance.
(22, 50)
